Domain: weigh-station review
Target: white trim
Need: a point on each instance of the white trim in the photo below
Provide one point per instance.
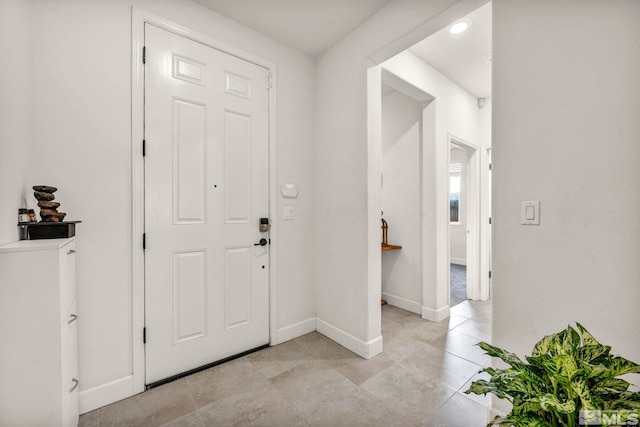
(294, 331)
(363, 349)
(435, 315)
(458, 261)
(139, 18)
(403, 303)
(485, 227)
(104, 394)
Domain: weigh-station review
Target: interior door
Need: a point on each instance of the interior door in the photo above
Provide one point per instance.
(206, 188)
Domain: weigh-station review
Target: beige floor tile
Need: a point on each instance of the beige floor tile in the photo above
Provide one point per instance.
(439, 365)
(278, 359)
(463, 309)
(393, 313)
(192, 419)
(454, 320)
(262, 406)
(483, 310)
(408, 392)
(356, 409)
(423, 330)
(310, 388)
(419, 379)
(359, 370)
(475, 328)
(459, 411)
(151, 408)
(318, 347)
(223, 380)
(463, 346)
(90, 419)
(385, 321)
(400, 346)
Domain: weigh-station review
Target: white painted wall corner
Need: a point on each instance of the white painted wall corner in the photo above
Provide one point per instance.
(435, 315)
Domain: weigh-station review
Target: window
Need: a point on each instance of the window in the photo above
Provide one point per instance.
(454, 193)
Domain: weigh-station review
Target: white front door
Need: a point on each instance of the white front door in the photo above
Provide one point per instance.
(206, 188)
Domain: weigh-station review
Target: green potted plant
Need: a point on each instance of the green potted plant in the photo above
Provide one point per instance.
(570, 379)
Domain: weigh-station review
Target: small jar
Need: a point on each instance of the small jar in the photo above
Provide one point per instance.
(23, 215)
(32, 215)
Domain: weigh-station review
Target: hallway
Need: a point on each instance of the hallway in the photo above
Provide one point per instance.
(418, 380)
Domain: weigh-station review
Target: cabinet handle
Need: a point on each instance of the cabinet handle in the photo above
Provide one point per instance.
(75, 385)
(72, 318)
(71, 252)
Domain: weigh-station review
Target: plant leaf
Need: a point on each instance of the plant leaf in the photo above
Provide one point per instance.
(581, 389)
(617, 384)
(504, 355)
(551, 403)
(484, 387)
(589, 353)
(587, 338)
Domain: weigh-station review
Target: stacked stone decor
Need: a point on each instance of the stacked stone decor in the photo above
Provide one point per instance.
(48, 208)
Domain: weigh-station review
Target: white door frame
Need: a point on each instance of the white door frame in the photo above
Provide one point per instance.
(485, 225)
(472, 219)
(139, 19)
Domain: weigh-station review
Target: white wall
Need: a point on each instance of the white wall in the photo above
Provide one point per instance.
(15, 113)
(566, 132)
(347, 174)
(82, 144)
(401, 198)
(458, 232)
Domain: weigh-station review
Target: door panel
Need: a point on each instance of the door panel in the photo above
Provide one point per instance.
(206, 188)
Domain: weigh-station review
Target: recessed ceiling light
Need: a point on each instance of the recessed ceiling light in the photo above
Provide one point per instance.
(460, 26)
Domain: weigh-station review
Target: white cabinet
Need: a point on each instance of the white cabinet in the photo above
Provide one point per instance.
(38, 333)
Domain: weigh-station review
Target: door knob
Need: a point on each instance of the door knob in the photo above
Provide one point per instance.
(261, 243)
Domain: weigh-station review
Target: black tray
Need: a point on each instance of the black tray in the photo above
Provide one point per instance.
(49, 230)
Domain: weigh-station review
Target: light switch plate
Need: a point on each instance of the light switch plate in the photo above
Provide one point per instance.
(287, 212)
(530, 212)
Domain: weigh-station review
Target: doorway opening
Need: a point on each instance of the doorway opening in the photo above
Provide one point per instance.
(464, 209)
(407, 127)
(456, 116)
(458, 187)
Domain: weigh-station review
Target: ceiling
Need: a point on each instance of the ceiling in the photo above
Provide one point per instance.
(462, 57)
(311, 26)
(314, 26)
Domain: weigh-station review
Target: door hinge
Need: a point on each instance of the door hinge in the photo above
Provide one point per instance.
(489, 166)
(144, 241)
(489, 274)
(144, 147)
(144, 335)
(489, 220)
(144, 54)
(268, 80)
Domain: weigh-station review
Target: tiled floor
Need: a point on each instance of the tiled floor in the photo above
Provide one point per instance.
(418, 380)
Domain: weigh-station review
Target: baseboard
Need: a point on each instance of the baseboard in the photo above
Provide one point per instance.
(403, 303)
(458, 261)
(105, 394)
(435, 315)
(296, 330)
(363, 349)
